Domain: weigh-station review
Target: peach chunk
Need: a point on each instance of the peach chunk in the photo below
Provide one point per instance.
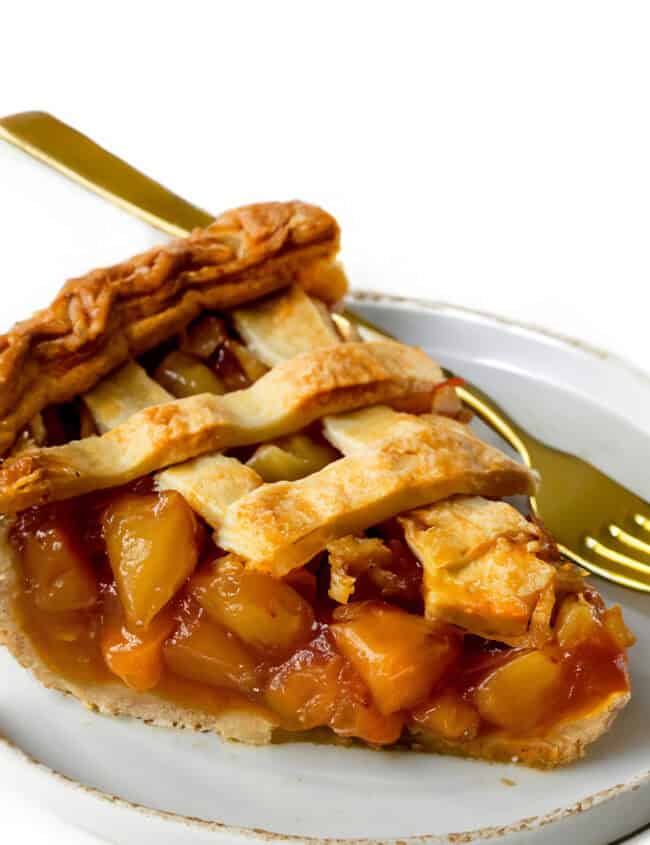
(364, 721)
(356, 715)
(60, 572)
(317, 687)
(449, 716)
(251, 365)
(303, 691)
(521, 692)
(203, 337)
(399, 656)
(152, 544)
(580, 623)
(576, 623)
(204, 651)
(265, 613)
(183, 375)
(136, 658)
(617, 629)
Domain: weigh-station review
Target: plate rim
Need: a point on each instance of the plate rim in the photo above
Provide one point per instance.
(371, 297)
(255, 834)
(522, 825)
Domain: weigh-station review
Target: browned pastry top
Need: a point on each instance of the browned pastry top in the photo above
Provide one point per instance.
(100, 320)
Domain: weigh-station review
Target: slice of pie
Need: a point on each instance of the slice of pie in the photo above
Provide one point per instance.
(224, 510)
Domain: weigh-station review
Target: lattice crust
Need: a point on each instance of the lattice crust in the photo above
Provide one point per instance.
(281, 526)
(123, 394)
(213, 483)
(102, 319)
(284, 326)
(286, 399)
(210, 483)
(482, 570)
(277, 329)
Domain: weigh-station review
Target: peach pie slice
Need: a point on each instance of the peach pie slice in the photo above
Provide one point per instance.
(220, 510)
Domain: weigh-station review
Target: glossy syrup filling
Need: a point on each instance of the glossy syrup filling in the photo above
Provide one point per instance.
(127, 586)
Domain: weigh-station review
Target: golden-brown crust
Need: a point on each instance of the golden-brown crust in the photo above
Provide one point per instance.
(481, 569)
(414, 460)
(285, 325)
(563, 743)
(102, 319)
(327, 381)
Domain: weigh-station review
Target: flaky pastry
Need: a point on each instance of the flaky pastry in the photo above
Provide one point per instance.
(102, 319)
(289, 397)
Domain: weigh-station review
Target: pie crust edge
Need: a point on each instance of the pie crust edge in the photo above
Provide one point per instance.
(100, 320)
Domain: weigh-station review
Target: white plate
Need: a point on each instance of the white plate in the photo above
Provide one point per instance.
(205, 790)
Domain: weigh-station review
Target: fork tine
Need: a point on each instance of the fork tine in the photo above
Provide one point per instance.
(613, 571)
(642, 521)
(616, 557)
(629, 539)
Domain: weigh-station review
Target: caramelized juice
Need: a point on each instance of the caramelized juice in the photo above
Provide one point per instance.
(222, 636)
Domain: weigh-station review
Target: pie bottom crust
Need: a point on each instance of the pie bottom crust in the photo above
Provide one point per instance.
(251, 724)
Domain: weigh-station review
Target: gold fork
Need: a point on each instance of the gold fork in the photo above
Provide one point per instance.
(598, 523)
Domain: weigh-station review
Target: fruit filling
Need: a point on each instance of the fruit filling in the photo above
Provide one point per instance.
(125, 586)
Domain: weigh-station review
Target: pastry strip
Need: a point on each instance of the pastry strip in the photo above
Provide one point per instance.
(281, 327)
(284, 326)
(290, 396)
(277, 329)
(123, 394)
(210, 483)
(281, 526)
(482, 570)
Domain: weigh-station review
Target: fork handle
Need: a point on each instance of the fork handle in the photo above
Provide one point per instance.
(85, 162)
(68, 151)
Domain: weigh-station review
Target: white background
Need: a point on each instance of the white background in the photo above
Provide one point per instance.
(492, 154)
